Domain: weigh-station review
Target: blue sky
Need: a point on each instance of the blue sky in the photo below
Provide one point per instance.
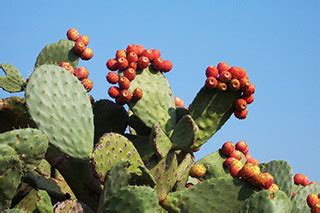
(278, 42)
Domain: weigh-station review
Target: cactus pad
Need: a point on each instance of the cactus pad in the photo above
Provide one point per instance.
(58, 52)
(185, 133)
(133, 199)
(282, 174)
(36, 201)
(143, 146)
(213, 195)
(210, 110)
(113, 148)
(159, 141)
(299, 202)
(157, 104)
(55, 94)
(263, 201)
(13, 81)
(185, 163)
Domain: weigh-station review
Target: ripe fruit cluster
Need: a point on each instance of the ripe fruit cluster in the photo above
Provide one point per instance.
(313, 202)
(223, 77)
(82, 73)
(127, 62)
(178, 102)
(250, 171)
(80, 47)
(300, 179)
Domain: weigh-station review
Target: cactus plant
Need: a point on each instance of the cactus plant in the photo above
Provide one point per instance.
(61, 151)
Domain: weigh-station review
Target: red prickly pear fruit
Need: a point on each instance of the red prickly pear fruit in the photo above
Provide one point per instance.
(122, 63)
(166, 66)
(112, 64)
(235, 168)
(300, 179)
(148, 53)
(251, 160)
(178, 102)
(198, 170)
(130, 74)
(120, 100)
(236, 154)
(227, 163)
(242, 146)
(157, 64)
(227, 148)
(241, 114)
(306, 181)
(234, 84)
(81, 73)
(124, 83)
(79, 47)
(67, 66)
(248, 99)
(222, 67)
(262, 180)
(72, 34)
(87, 84)
(132, 57)
(85, 39)
(140, 49)
(212, 71)
(249, 90)
(225, 76)
(211, 83)
(132, 48)
(248, 171)
(312, 200)
(244, 82)
(238, 72)
(87, 54)
(222, 86)
(112, 77)
(121, 54)
(316, 208)
(274, 188)
(133, 65)
(125, 95)
(156, 54)
(143, 62)
(114, 92)
(137, 94)
(240, 104)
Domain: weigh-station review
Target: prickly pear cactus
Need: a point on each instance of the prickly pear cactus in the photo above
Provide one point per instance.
(62, 151)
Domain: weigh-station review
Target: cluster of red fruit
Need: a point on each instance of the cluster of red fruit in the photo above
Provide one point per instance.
(224, 77)
(81, 73)
(313, 201)
(250, 171)
(178, 102)
(134, 57)
(81, 44)
(300, 179)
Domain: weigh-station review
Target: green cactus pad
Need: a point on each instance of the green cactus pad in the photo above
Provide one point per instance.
(214, 165)
(58, 52)
(36, 201)
(210, 110)
(13, 81)
(137, 125)
(264, 202)
(299, 202)
(133, 199)
(213, 195)
(15, 211)
(29, 144)
(181, 112)
(282, 173)
(184, 134)
(185, 163)
(55, 94)
(143, 146)
(111, 149)
(14, 114)
(10, 175)
(159, 141)
(157, 104)
(164, 173)
(108, 117)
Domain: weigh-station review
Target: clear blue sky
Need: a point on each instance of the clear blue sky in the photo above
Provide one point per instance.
(278, 42)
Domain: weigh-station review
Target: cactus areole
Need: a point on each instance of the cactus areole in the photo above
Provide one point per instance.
(62, 151)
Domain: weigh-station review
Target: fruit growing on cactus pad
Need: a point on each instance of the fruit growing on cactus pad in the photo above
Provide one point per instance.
(62, 151)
